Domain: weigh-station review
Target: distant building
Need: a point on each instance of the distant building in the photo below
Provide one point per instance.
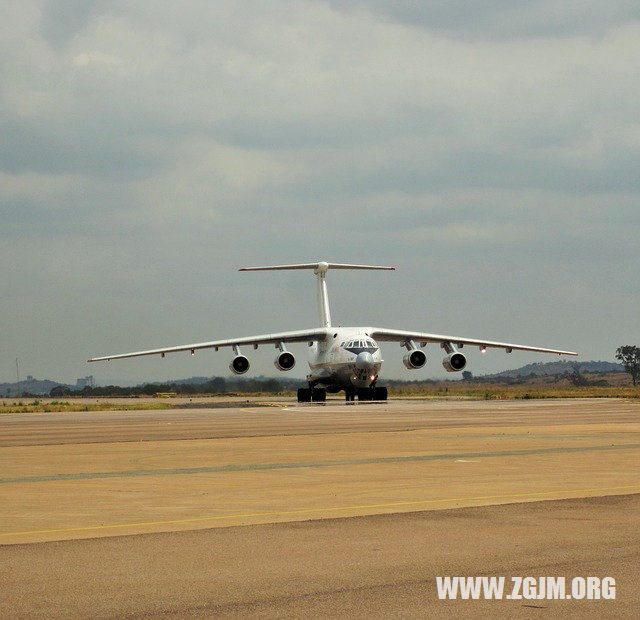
(84, 382)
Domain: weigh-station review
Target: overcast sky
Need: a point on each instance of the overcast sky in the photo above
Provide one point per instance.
(489, 150)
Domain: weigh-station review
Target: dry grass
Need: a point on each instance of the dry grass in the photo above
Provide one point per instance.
(512, 392)
(454, 390)
(38, 406)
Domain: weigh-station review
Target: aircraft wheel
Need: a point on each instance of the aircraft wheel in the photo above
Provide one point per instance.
(304, 395)
(380, 393)
(365, 394)
(349, 395)
(319, 395)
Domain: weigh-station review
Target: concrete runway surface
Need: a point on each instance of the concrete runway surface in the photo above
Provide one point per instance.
(336, 510)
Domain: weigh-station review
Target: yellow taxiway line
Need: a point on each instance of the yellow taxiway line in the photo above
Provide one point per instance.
(328, 509)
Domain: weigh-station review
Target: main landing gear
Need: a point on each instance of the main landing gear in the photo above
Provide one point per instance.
(370, 393)
(316, 395)
(319, 395)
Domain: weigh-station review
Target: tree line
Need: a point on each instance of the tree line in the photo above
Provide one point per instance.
(215, 385)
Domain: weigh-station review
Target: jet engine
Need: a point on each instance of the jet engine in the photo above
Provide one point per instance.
(239, 365)
(415, 358)
(285, 361)
(454, 362)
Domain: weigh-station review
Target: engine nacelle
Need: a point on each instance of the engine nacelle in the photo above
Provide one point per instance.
(285, 361)
(454, 362)
(414, 359)
(239, 365)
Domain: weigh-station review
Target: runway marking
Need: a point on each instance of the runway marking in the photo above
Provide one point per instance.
(320, 510)
(276, 466)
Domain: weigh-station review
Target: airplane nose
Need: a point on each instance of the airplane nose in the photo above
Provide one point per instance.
(364, 361)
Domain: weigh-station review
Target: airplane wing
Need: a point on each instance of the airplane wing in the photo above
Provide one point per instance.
(394, 335)
(307, 335)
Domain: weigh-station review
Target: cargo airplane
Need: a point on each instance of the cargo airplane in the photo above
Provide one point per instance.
(342, 358)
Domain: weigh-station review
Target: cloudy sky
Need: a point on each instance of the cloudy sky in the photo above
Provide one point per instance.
(489, 150)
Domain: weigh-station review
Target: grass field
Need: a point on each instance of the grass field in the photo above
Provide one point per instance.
(42, 406)
(510, 392)
(446, 390)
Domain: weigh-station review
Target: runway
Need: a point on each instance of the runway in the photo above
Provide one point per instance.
(399, 493)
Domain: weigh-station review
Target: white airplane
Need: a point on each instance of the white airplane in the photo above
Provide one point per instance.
(342, 358)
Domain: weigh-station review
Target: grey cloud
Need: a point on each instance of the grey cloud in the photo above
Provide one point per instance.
(63, 150)
(62, 19)
(502, 19)
(337, 130)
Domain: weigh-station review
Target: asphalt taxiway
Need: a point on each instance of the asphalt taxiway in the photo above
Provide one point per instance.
(345, 510)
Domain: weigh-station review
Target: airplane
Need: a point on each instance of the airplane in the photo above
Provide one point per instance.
(341, 358)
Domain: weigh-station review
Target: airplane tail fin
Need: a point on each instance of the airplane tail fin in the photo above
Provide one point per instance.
(320, 269)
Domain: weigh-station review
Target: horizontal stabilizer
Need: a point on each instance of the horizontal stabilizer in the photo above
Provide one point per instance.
(319, 266)
(320, 270)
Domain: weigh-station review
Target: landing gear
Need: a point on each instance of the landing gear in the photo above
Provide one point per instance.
(380, 393)
(307, 395)
(370, 393)
(318, 395)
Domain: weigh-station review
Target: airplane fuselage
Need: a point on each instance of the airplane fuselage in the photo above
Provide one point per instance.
(348, 358)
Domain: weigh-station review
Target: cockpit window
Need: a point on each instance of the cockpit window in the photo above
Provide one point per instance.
(358, 346)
